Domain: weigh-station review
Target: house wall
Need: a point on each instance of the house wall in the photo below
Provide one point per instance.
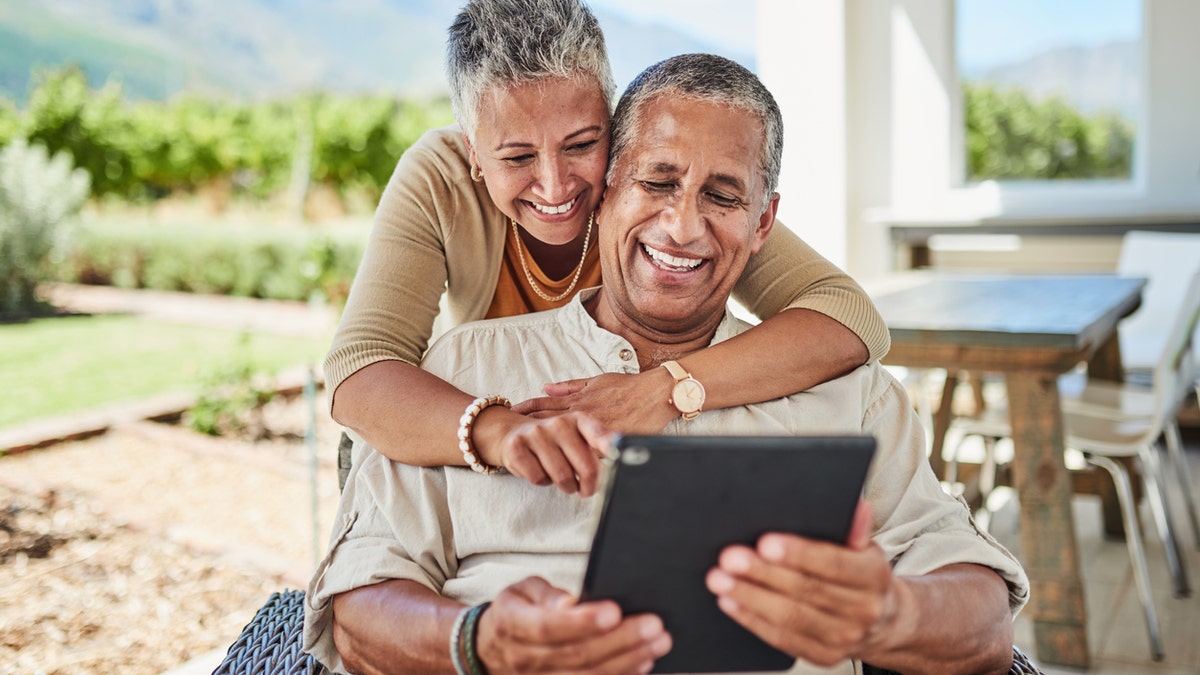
(868, 92)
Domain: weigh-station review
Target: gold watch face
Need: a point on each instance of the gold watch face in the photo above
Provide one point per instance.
(688, 396)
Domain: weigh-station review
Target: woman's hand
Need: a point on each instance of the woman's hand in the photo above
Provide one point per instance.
(632, 404)
(564, 449)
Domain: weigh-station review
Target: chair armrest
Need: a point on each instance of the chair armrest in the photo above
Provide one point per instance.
(271, 642)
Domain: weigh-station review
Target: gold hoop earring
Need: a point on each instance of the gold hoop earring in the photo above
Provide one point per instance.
(476, 173)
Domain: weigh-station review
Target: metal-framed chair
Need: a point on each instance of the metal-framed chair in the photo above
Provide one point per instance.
(1106, 421)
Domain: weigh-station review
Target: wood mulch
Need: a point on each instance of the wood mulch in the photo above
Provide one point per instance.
(143, 548)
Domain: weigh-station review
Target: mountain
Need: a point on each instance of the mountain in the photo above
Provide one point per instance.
(268, 48)
(1104, 77)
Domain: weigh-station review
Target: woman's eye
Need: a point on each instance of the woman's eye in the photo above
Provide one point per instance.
(582, 147)
(517, 160)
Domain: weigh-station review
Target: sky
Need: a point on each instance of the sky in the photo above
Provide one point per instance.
(999, 31)
(995, 32)
(724, 22)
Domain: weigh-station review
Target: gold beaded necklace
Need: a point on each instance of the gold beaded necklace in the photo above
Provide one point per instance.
(578, 270)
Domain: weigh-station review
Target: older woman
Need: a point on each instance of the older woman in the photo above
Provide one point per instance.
(498, 216)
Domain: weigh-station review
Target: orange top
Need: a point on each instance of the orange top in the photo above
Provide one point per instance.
(513, 294)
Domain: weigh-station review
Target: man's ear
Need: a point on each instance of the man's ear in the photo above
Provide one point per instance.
(600, 206)
(765, 223)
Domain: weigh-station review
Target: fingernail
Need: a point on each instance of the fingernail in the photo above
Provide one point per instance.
(719, 582)
(727, 604)
(737, 560)
(608, 617)
(646, 667)
(651, 626)
(771, 548)
(661, 646)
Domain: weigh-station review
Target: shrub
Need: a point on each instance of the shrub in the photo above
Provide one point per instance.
(38, 195)
(1011, 136)
(232, 397)
(278, 263)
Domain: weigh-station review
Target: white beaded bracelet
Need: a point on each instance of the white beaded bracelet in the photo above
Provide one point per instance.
(464, 430)
(456, 655)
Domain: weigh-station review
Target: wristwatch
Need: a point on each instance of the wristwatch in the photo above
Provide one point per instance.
(688, 394)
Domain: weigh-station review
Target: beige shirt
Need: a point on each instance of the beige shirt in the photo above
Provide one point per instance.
(437, 232)
(467, 535)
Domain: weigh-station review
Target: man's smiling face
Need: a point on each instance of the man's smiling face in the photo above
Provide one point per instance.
(685, 209)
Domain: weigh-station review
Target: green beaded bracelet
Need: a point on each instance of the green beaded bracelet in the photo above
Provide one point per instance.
(469, 632)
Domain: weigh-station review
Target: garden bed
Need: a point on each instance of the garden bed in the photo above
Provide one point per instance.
(138, 550)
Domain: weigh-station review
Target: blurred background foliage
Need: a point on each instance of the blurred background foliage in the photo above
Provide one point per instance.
(1013, 136)
(146, 150)
(279, 154)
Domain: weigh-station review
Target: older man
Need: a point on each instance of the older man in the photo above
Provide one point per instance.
(449, 569)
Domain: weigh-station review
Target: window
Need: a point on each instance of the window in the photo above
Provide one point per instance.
(1050, 90)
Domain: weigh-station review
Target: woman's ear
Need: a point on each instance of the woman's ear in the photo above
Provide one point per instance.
(473, 166)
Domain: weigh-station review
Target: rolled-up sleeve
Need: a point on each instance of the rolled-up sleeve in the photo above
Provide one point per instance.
(390, 525)
(918, 525)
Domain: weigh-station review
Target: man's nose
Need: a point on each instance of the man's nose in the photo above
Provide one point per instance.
(682, 221)
(553, 176)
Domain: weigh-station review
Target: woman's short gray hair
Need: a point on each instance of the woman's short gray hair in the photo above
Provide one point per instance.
(499, 43)
(704, 77)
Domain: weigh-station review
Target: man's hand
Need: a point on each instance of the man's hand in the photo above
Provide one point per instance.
(564, 450)
(533, 627)
(817, 601)
(630, 404)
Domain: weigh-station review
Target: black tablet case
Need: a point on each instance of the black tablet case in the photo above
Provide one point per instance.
(674, 502)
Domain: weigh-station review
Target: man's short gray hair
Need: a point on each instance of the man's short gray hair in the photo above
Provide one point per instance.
(703, 77)
(500, 43)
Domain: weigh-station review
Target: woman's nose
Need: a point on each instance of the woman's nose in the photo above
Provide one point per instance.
(552, 179)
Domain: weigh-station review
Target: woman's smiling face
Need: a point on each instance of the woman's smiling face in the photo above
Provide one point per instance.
(543, 150)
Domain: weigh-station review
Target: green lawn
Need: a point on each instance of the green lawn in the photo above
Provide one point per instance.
(59, 365)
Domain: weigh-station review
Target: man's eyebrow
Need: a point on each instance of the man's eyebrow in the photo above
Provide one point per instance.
(594, 128)
(660, 168)
(730, 181)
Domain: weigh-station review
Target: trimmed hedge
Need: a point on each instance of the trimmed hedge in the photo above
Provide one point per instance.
(263, 261)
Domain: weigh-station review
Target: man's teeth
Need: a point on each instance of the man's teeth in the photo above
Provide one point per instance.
(670, 261)
(554, 210)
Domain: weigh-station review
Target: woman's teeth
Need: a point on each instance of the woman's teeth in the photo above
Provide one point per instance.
(670, 262)
(554, 210)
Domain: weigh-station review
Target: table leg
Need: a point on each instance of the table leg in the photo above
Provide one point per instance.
(1050, 552)
(941, 424)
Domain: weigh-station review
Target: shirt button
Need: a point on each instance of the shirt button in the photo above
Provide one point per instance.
(626, 354)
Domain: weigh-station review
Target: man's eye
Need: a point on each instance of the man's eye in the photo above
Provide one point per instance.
(724, 200)
(657, 187)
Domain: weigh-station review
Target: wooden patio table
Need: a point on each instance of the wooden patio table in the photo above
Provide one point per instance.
(1030, 328)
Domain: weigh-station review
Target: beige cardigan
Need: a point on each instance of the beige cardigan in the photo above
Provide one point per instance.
(436, 231)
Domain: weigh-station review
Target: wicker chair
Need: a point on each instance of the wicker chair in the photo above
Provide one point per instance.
(270, 643)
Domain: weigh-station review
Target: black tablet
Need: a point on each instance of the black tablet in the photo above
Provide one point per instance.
(674, 502)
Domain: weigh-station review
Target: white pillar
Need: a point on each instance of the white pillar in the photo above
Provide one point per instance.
(802, 60)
